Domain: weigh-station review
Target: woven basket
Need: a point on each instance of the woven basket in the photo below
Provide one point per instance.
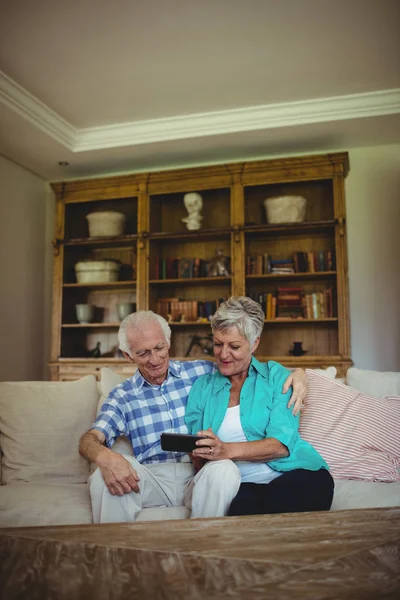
(106, 224)
(97, 271)
(285, 209)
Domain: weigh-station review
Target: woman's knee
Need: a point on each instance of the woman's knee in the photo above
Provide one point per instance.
(222, 472)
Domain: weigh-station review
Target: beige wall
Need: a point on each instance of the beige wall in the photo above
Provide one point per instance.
(373, 228)
(25, 265)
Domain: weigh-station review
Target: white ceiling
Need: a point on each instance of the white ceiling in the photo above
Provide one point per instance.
(128, 85)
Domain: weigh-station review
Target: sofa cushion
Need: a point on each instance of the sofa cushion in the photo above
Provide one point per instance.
(40, 426)
(357, 435)
(376, 383)
(329, 372)
(108, 381)
(365, 494)
(26, 505)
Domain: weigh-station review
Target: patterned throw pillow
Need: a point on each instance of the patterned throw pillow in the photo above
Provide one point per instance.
(358, 435)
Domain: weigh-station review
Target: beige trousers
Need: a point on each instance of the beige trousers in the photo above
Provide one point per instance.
(209, 493)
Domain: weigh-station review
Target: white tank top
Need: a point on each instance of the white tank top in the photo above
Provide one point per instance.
(231, 430)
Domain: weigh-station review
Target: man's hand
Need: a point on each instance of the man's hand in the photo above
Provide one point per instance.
(119, 477)
(298, 380)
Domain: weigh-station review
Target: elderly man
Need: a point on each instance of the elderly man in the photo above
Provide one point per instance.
(142, 407)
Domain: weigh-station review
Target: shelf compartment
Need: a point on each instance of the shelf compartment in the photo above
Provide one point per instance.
(76, 225)
(168, 210)
(318, 192)
(318, 336)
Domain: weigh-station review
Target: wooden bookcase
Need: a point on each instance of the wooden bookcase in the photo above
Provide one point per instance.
(234, 221)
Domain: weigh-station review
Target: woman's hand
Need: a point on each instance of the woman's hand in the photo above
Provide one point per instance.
(298, 380)
(211, 448)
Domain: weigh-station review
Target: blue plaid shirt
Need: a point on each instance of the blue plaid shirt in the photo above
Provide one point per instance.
(142, 411)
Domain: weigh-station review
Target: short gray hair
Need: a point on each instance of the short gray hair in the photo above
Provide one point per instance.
(138, 320)
(241, 312)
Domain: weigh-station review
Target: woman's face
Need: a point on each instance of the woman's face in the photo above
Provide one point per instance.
(232, 351)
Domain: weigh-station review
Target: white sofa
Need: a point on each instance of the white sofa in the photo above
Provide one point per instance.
(44, 480)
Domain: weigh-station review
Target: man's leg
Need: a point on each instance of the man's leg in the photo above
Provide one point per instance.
(211, 491)
(295, 491)
(160, 484)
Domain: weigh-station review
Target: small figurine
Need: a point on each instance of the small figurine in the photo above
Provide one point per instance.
(96, 352)
(204, 345)
(193, 203)
(219, 264)
(297, 349)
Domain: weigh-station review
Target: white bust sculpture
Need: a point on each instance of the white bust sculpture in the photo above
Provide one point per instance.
(193, 203)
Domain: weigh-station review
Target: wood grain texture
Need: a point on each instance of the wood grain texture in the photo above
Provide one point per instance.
(352, 554)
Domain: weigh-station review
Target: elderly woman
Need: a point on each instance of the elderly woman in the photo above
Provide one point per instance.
(244, 415)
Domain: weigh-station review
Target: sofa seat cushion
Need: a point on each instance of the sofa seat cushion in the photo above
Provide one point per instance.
(163, 513)
(40, 426)
(30, 505)
(365, 494)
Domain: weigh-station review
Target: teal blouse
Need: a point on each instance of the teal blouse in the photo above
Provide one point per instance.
(263, 412)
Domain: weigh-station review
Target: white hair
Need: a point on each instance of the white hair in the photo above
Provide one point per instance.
(241, 312)
(139, 320)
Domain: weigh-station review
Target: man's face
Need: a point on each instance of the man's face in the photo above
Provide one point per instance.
(150, 351)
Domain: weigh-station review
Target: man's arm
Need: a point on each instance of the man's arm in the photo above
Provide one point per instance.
(298, 380)
(119, 477)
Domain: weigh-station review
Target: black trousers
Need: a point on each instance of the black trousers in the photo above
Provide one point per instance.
(295, 491)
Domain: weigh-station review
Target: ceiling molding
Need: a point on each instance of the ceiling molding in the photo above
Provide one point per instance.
(254, 118)
(244, 119)
(36, 112)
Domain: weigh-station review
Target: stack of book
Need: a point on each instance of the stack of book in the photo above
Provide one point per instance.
(290, 303)
(178, 310)
(180, 268)
(314, 262)
(257, 265)
(281, 266)
(320, 305)
(267, 300)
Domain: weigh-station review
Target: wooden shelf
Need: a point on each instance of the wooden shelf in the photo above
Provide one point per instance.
(107, 284)
(189, 324)
(290, 228)
(191, 281)
(92, 325)
(102, 241)
(277, 276)
(234, 221)
(187, 236)
(301, 321)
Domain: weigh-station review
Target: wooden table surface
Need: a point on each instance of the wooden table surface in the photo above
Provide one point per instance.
(352, 554)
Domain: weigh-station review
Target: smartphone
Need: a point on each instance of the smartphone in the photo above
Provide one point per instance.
(180, 442)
